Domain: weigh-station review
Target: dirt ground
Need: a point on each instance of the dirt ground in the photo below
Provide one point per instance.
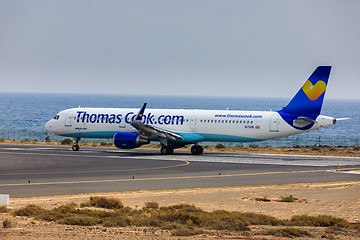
(339, 199)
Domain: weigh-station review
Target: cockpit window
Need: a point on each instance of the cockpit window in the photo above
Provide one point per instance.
(56, 117)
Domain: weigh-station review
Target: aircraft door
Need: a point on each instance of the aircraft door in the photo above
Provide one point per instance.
(193, 122)
(68, 119)
(274, 123)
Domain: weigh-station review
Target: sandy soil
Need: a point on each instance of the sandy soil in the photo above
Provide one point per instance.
(341, 199)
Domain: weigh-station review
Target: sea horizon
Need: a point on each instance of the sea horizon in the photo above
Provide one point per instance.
(24, 113)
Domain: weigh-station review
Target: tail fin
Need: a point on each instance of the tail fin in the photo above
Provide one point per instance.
(310, 97)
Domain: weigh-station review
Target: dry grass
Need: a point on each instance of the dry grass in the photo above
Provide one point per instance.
(29, 211)
(287, 232)
(102, 202)
(4, 209)
(181, 219)
(319, 221)
(7, 223)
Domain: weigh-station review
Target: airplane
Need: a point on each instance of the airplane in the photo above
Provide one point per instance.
(175, 128)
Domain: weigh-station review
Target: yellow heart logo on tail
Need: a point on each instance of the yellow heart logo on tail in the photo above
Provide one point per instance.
(314, 91)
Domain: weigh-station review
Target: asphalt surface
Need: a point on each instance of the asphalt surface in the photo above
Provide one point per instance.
(56, 170)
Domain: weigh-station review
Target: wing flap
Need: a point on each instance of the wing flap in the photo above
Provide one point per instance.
(150, 131)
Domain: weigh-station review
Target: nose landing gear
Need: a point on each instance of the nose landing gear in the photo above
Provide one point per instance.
(76, 147)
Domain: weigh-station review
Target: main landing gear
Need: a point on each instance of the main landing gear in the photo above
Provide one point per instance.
(166, 150)
(76, 147)
(195, 150)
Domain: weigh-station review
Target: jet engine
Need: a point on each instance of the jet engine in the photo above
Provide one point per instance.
(127, 140)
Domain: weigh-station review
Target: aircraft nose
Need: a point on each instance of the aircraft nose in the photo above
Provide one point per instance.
(48, 126)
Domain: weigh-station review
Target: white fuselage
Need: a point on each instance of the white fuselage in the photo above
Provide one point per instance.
(193, 125)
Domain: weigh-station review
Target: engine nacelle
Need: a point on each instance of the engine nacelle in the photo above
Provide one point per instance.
(127, 140)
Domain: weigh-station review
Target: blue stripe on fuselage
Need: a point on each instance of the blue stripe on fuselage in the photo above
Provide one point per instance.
(188, 137)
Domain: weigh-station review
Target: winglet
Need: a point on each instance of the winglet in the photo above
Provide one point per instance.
(140, 113)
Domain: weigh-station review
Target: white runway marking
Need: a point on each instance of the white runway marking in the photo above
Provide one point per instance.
(247, 158)
(351, 172)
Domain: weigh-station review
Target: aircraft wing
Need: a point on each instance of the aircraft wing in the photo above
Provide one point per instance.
(149, 131)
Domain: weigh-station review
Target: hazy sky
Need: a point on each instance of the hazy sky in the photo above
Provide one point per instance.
(207, 48)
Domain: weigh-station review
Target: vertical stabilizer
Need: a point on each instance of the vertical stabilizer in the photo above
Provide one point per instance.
(310, 97)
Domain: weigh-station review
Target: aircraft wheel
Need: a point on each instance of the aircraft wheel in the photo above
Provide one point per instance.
(197, 149)
(75, 147)
(200, 149)
(166, 150)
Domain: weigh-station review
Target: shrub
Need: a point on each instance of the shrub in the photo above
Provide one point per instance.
(287, 232)
(223, 220)
(58, 213)
(315, 148)
(287, 199)
(29, 211)
(318, 221)
(4, 209)
(2, 140)
(172, 226)
(263, 199)
(253, 145)
(103, 144)
(67, 141)
(151, 205)
(119, 221)
(109, 203)
(79, 220)
(7, 223)
(110, 144)
(220, 146)
(261, 219)
(187, 231)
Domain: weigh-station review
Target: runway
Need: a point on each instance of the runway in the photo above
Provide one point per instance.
(39, 170)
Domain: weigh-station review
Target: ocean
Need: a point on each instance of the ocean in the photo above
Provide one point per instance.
(23, 115)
